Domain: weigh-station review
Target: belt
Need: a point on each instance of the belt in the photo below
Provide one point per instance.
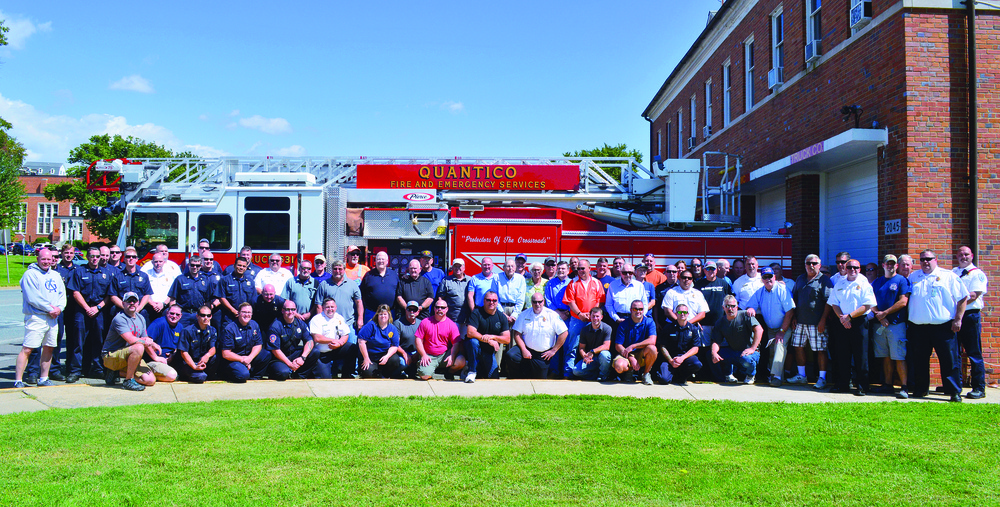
(967, 312)
(509, 305)
(624, 315)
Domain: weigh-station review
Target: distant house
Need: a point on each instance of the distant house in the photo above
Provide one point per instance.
(45, 221)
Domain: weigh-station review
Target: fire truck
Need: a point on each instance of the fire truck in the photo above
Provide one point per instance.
(467, 208)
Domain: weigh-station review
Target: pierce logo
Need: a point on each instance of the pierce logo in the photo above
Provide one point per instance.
(418, 196)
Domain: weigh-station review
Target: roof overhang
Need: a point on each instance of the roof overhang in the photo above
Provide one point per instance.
(848, 147)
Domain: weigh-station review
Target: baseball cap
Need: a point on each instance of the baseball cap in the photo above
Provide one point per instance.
(710, 264)
(353, 248)
(521, 256)
(889, 257)
(412, 304)
(459, 262)
(426, 254)
(549, 261)
(130, 296)
(320, 258)
(766, 270)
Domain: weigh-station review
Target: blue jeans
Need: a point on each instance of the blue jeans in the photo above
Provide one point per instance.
(730, 357)
(598, 367)
(478, 352)
(567, 353)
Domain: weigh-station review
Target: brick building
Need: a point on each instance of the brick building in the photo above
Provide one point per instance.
(45, 221)
(776, 83)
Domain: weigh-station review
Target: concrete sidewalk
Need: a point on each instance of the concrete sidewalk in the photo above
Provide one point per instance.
(83, 395)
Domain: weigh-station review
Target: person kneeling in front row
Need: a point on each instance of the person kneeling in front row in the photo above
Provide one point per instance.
(242, 346)
(378, 342)
(679, 347)
(635, 343)
(196, 349)
(124, 346)
(594, 349)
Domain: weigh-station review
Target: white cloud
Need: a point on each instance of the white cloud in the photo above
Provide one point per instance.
(133, 83)
(291, 151)
(205, 151)
(266, 125)
(21, 29)
(50, 138)
(453, 107)
(234, 112)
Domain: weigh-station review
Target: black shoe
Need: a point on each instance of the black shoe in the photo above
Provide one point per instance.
(921, 394)
(884, 389)
(976, 395)
(56, 375)
(31, 379)
(939, 389)
(956, 398)
(859, 392)
(71, 378)
(110, 377)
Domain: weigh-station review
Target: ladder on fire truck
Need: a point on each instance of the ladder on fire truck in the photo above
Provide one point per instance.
(205, 179)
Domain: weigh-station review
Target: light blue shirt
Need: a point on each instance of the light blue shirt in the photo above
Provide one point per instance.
(772, 305)
(480, 285)
(555, 289)
(511, 290)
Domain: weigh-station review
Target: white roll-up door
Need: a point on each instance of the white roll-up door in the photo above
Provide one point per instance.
(771, 209)
(851, 213)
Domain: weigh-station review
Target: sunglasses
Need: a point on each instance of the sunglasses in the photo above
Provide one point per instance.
(440, 307)
(114, 252)
(813, 263)
(671, 271)
(628, 272)
(841, 262)
(274, 260)
(927, 259)
(730, 306)
(538, 302)
(686, 278)
(637, 309)
(682, 312)
(492, 300)
(131, 256)
(767, 277)
(206, 315)
(854, 268)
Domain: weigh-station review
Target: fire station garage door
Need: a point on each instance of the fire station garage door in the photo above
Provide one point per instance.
(771, 209)
(851, 214)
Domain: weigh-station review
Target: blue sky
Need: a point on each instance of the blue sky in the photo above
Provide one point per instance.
(376, 78)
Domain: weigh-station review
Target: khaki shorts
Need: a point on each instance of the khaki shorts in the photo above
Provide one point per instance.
(118, 361)
(40, 331)
(162, 370)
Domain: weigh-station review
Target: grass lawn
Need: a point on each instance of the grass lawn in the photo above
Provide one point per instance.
(533, 450)
(17, 265)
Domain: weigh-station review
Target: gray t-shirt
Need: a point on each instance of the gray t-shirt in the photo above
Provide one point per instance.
(407, 334)
(120, 325)
(345, 294)
(736, 333)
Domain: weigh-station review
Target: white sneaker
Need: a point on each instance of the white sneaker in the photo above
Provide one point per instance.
(820, 383)
(647, 379)
(470, 378)
(798, 379)
(731, 379)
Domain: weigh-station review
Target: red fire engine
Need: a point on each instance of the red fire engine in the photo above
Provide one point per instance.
(454, 207)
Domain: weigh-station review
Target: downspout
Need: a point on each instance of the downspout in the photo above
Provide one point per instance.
(970, 10)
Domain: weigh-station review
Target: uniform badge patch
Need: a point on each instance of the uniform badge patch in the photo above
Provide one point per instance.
(892, 286)
(274, 339)
(390, 334)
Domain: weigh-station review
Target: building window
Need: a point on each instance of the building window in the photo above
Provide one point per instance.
(46, 212)
(680, 133)
(659, 143)
(778, 43)
(727, 88)
(666, 150)
(814, 29)
(748, 67)
(70, 230)
(22, 222)
(694, 119)
(708, 107)
(75, 211)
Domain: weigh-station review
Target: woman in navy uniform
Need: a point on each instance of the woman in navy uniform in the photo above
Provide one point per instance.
(378, 341)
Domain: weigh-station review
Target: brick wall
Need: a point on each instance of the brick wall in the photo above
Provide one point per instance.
(909, 74)
(34, 188)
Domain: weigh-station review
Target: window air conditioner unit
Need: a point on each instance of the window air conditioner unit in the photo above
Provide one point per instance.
(691, 142)
(775, 77)
(706, 131)
(812, 51)
(861, 14)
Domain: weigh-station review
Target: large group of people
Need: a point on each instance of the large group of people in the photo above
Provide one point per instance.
(557, 319)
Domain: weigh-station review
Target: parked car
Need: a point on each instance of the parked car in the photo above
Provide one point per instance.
(3, 250)
(23, 249)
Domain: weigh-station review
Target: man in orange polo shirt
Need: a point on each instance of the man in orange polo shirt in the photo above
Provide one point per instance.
(582, 294)
(354, 269)
(652, 275)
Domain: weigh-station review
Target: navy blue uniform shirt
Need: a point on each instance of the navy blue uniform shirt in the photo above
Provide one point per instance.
(137, 282)
(92, 284)
(241, 340)
(190, 293)
(290, 338)
(196, 342)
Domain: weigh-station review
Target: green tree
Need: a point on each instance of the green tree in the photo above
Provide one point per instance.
(11, 157)
(607, 150)
(100, 147)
